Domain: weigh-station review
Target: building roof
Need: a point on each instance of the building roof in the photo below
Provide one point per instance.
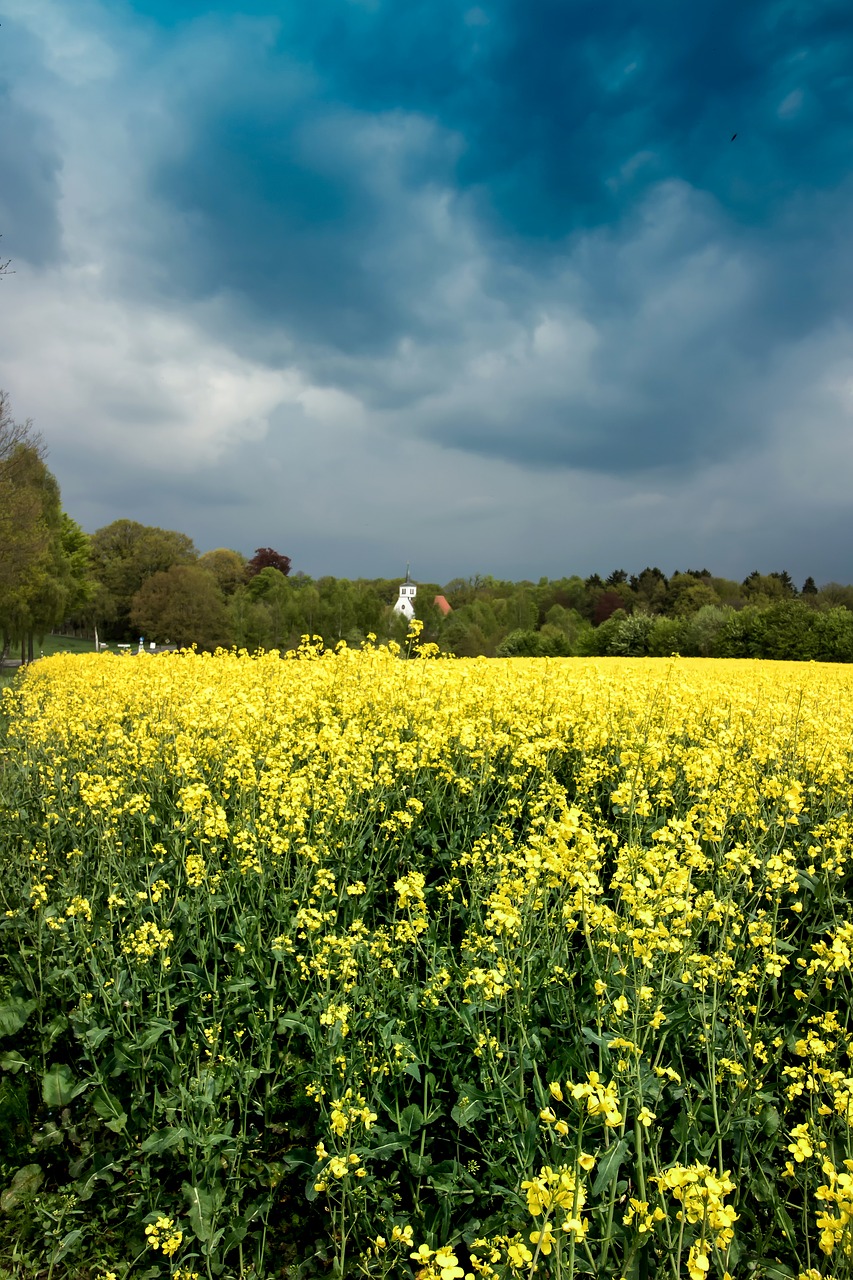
(441, 603)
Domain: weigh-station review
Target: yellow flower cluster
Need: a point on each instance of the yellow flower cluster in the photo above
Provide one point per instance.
(164, 1235)
(835, 1223)
(475, 846)
(597, 1099)
(350, 1110)
(437, 1264)
(338, 1167)
(553, 1189)
(146, 941)
(701, 1194)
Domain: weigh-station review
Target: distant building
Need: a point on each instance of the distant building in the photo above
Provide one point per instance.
(406, 600)
(442, 604)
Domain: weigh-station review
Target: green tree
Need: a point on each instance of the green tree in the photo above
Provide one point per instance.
(125, 555)
(80, 584)
(833, 635)
(687, 593)
(834, 595)
(368, 608)
(742, 634)
(787, 632)
(702, 629)
(521, 643)
(272, 590)
(567, 621)
(630, 639)
(650, 589)
(183, 605)
(606, 632)
(23, 534)
(228, 568)
(517, 611)
(337, 609)
(668, 636)
(764, 588)
(34, 589)
(569, 593)
(249, 622)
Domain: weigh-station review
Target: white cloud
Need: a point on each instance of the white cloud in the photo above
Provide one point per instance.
(74, 50)
(140, 386)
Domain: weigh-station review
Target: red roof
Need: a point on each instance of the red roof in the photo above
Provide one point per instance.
(442, 604)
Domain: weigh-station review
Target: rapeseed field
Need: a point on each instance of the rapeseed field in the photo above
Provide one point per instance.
(354, 966)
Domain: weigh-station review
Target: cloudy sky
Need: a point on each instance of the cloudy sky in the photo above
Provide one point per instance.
(488, 288)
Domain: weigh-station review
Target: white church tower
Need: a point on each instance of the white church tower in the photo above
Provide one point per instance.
(406, 601)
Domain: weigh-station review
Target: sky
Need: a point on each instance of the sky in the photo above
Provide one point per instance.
(489, 288)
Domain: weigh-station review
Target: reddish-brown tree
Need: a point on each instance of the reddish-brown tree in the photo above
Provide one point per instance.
(266, 558)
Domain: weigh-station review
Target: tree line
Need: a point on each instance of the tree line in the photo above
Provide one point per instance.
(45, 557)
(130, 580)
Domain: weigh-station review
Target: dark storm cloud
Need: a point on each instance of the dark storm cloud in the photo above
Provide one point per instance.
(29, 160)
(440, 276)
(300, 172)
(556, 100)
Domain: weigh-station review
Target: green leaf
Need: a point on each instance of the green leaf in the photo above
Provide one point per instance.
(66, 1244)
(50, 1135)
(12, 1062)
(387, 1149)
(108, 1107)
(411, 1120)
(787, 1223)
(770, 1121)
(97, 1035)
(58, 1086)
(14, 1013)
(202, 1206)
(289, 1023)
(25, 1183)
(164, 1139)
(449, 1176)
(608, 1165)
(102, 1172)
(468, 1112)
(157, 1027)
(235, 1236)
(56, 1028)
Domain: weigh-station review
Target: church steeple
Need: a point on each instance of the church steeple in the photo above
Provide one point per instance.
(406, 600)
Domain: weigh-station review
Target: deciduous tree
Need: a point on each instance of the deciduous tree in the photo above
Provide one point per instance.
(125, 555)
(34, 579)
(228, 568)
(183, 605)
(267, 558)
